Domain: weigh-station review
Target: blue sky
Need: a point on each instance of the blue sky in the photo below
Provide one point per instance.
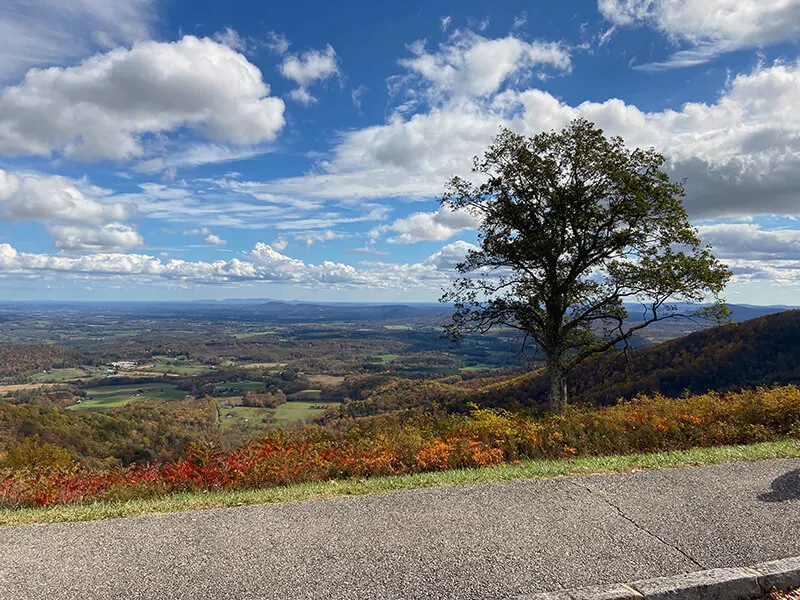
(183, 150)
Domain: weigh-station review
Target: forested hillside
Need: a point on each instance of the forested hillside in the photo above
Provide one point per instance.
(761, 351)
(24, 358)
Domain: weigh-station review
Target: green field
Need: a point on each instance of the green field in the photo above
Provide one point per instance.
(250, 417)
(59, 375)
(246, 417)
(237, 388)
(111, 396)
(388, 357)
(478, 368)
(293, 412)
(179, 365)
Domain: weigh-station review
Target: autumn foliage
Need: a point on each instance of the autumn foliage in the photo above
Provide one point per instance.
(417, 441)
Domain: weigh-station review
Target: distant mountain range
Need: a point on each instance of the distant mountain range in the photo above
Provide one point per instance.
(318, 312)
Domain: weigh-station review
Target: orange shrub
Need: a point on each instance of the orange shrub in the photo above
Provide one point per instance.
(416, 440)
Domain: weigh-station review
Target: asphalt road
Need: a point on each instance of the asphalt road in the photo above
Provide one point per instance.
(480, 541)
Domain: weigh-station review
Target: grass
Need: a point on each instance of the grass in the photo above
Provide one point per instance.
(326, 380)
(249, 417)
(293, 412)
(330, 489)
(388, 357)
(111, 396)
(285, 414)
(481, 367)
(59, 375)
(237, 388)
(177, 366)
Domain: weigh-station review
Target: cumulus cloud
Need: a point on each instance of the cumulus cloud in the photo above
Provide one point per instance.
(751, 241)
(53, 32)
(309, 68)
(103, 107)
(449, 256)
(472, 65)
(113, 237)
(213, 239)
(429, 226)
(709, 27)
(50, 198)
(739, 154)
(261, 264)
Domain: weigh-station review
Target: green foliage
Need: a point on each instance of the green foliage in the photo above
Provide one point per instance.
(573, 225)
(33, 454)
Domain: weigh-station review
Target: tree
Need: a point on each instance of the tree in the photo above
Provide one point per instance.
(574, 226)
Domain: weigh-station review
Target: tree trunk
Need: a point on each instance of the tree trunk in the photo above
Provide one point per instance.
(558, 387)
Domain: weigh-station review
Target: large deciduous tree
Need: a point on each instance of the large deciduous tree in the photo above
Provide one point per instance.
(574, 227)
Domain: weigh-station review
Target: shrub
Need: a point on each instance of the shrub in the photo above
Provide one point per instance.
(411, 441)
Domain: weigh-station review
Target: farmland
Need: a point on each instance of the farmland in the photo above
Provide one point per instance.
(112, 396)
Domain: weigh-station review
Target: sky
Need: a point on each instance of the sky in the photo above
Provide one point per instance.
(176, 150)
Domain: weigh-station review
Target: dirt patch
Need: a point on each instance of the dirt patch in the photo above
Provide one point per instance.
(16, 387)
(326, 380)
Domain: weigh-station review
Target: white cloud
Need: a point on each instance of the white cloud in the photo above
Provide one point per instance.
(444, 22)
(101, 108)
(279, 243)
(261, 264)
(365, 250)
(277, 43)
(213, 239)
(742, 147)
(302, 96)
(309, 68)
(710, 27)
(198, 154)
(312, 237)
(755, 254)
(113, 237)
(50, 198)
(230, 38)
(53, 32)
(449, 256)
(356, 94)
(471, 65)
(426, 226)
(750, 241)
(197, 231)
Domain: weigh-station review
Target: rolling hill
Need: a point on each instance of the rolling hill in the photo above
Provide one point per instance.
(760, 351)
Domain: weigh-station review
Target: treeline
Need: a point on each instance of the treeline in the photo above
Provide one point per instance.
(139, 432)
(22, 359)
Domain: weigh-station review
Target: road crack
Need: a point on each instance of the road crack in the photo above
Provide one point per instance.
(638, 526)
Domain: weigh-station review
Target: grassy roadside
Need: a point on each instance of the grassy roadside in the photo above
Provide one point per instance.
(508, 472)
